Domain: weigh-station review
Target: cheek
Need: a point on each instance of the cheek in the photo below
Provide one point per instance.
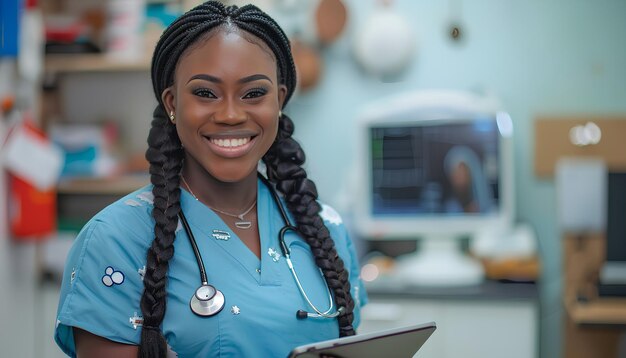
(188, 106)
(271, 130)
(267, 118)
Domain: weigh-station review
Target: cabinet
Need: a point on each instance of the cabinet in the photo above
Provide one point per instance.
(490, 320)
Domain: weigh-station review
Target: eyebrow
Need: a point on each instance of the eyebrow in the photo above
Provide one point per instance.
(218, 80)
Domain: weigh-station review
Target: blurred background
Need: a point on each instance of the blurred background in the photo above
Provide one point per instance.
(529, 96)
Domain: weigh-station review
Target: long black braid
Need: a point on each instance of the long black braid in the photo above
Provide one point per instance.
(284, 165)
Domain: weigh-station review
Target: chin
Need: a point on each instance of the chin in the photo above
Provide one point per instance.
(232, 173)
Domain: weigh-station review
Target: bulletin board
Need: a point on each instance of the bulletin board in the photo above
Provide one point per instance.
(552, 142)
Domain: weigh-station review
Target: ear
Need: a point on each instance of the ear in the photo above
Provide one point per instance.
(282, 94)
(167, 97)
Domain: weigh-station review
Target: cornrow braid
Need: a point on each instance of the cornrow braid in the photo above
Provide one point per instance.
(284, 167)
(284, 159)
(204, 18)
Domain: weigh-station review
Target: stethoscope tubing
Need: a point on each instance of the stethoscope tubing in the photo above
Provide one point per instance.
(287, 253)
(194, 246)
(209, 308)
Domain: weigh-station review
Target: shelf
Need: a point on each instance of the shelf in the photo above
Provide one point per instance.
(75, 63)
(102, 186)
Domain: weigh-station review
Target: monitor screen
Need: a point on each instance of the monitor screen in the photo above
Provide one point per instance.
(433, 164)
(435, 168)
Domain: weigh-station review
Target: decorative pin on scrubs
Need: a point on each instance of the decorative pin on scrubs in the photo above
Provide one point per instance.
(142, 272)
(221, 235)
(273, 254)
(235, 310)
(112, 277)
(136, 321)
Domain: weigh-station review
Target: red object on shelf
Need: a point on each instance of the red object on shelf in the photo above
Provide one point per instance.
(32, 211)
(66, 33)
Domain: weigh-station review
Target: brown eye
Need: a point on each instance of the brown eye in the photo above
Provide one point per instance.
(255, 93)
(204, 92)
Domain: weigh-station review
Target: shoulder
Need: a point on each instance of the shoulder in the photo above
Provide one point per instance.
(330, 215)
(132, 212)
(126, 224)
(136, 206)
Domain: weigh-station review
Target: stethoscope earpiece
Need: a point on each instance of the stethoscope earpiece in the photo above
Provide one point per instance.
(302, 314)
(207, 301)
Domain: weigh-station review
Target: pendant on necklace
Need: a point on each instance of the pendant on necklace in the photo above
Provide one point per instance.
(243, 224)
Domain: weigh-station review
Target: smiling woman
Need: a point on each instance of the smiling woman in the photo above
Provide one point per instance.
(222, 76)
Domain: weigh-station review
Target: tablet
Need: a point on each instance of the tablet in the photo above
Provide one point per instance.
(400, 342)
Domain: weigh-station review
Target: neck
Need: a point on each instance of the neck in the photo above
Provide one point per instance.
(232, 197)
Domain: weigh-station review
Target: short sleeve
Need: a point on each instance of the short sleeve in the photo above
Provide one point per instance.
(102, 284)
(356, 284)
(340, 235)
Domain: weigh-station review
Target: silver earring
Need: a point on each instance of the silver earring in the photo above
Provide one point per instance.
(172, 118)
(280, 114)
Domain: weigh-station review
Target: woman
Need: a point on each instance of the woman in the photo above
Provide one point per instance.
(222, 76)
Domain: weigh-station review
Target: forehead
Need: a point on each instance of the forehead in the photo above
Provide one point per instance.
(228, 53)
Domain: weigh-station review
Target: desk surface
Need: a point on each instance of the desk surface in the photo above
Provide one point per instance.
(488, 290)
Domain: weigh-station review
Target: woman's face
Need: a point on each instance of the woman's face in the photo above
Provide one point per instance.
(226, 100)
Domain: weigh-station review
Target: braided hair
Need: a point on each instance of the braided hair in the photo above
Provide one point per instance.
(283, 160)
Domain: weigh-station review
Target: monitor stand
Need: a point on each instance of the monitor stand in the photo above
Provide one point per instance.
(439, 262)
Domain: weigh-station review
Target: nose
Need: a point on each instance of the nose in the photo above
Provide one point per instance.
(230, 112)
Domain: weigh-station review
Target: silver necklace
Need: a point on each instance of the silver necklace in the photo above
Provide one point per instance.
(241, 224)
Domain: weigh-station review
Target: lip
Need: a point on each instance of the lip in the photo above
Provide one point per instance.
(230, 151)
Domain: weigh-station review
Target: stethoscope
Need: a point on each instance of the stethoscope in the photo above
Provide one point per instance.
(208, 301)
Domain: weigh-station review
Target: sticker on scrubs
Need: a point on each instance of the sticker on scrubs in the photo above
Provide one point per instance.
(273, 254)
(136, 321)
(146, 196)
(329, 214)
(131, 202)
(112, 277)
(235, 310)
(221, 235)
(142, 272)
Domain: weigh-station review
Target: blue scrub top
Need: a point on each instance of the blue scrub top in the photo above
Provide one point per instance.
(102, 282)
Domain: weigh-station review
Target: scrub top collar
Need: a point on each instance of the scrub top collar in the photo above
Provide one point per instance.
(205, 223)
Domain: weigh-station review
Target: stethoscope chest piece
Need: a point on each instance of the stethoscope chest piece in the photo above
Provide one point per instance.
(207, 301)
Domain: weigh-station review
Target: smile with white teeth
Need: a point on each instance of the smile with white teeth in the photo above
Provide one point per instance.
(231, 142)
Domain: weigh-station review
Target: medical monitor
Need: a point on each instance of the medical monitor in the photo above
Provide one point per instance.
(434, 166)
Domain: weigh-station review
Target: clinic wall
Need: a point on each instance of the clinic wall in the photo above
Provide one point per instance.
(538, 57)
